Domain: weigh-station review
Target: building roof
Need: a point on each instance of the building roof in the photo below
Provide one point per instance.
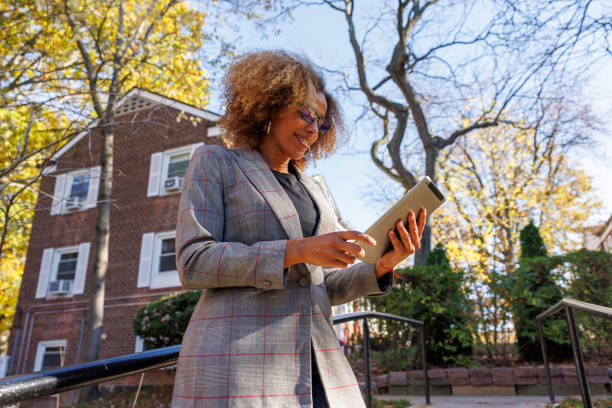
(599, 234)
(136, 99)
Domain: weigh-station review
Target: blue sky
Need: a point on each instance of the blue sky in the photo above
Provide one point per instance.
(321, 35)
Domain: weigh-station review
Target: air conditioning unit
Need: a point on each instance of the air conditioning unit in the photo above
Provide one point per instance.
(61, 287)
(173, 184)
(74, 203)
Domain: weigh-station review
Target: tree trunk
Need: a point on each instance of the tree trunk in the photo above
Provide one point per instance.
(101, 245)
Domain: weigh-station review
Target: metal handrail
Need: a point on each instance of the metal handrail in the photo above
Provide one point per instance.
(35, 385)
(569, 305)
(19, 388)
(366, 344)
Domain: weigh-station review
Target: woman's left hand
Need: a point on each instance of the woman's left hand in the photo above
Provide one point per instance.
(408, 242)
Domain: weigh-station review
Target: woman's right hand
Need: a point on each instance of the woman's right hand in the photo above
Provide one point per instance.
(330, 250)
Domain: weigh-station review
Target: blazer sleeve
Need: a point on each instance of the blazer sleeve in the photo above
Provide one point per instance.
(358, 280)
(203, 259)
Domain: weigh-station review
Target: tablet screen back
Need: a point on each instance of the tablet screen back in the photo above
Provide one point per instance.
(424, 194)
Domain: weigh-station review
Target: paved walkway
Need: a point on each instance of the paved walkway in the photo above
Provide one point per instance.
(479, 401)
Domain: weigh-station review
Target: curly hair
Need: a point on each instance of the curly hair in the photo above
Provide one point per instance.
(257, 84)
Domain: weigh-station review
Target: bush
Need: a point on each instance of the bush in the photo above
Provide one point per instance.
(162, 322)
(435, 295)
(590, 276)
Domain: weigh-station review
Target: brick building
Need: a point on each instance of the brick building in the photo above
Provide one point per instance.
(154, 138)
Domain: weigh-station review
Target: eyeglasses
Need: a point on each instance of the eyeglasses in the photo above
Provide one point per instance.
(322, 124)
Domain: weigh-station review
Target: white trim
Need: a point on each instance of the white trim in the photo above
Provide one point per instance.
(139, 345)
(95, 174)
(165, 279)
(215, 131)
(49, 169)
(73, 141)
(155, 168)
(42, 347)
(80, 274)
(46, 263)
(603, 237)
(144, 265)
(211, 116)
(183, 107)
(58, 194)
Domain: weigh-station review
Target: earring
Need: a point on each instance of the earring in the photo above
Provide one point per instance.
(267, 128)
(307, 152)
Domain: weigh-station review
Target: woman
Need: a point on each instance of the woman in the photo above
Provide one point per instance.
(259, 237)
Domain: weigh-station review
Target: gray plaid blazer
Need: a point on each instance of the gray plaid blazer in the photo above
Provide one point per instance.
(249, 339)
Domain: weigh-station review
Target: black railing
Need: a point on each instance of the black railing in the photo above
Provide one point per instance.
(366, 345)
(568, 305)
(24, 387)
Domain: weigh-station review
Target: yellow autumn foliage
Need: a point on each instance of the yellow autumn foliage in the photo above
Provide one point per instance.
(498, 180)
(42, 66)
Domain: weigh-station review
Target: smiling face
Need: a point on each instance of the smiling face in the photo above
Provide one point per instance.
(291, 135)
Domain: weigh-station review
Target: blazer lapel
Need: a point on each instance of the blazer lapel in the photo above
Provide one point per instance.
(259, 174)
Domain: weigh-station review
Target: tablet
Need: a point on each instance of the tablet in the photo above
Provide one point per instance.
(425, 194)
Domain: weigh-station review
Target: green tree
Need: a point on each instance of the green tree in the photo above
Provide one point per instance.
(433, 293)
(496, 181)
(531, 291)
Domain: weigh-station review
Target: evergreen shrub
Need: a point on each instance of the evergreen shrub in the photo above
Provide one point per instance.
(163, 322)
(435, 295)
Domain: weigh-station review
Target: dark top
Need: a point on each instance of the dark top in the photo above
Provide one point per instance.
(307, 210)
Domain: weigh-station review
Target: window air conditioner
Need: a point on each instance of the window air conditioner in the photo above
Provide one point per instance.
(74, 203)
(173, 184)
(61, 287)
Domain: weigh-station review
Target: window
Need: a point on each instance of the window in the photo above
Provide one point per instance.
(63, 271)
(177, 165)
(66, 266)
(76, 191)
(158, 261)
(79, 188)
(167, 260)
(168, 168)
(50, 354)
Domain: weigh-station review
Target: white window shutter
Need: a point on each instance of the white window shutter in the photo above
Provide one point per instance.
(81, 268)
(146, 256)
(45, 269)
(94, 184)
(194, 147)
(58, 194)
(155, 174)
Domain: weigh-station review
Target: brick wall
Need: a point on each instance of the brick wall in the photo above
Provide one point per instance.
(137, 136)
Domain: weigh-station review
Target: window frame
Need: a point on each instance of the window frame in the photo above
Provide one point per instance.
(42, 347)
(57, 254)
(168, 279)
(166, 162)
(158, 168)
(49, 268)
(60, 198)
